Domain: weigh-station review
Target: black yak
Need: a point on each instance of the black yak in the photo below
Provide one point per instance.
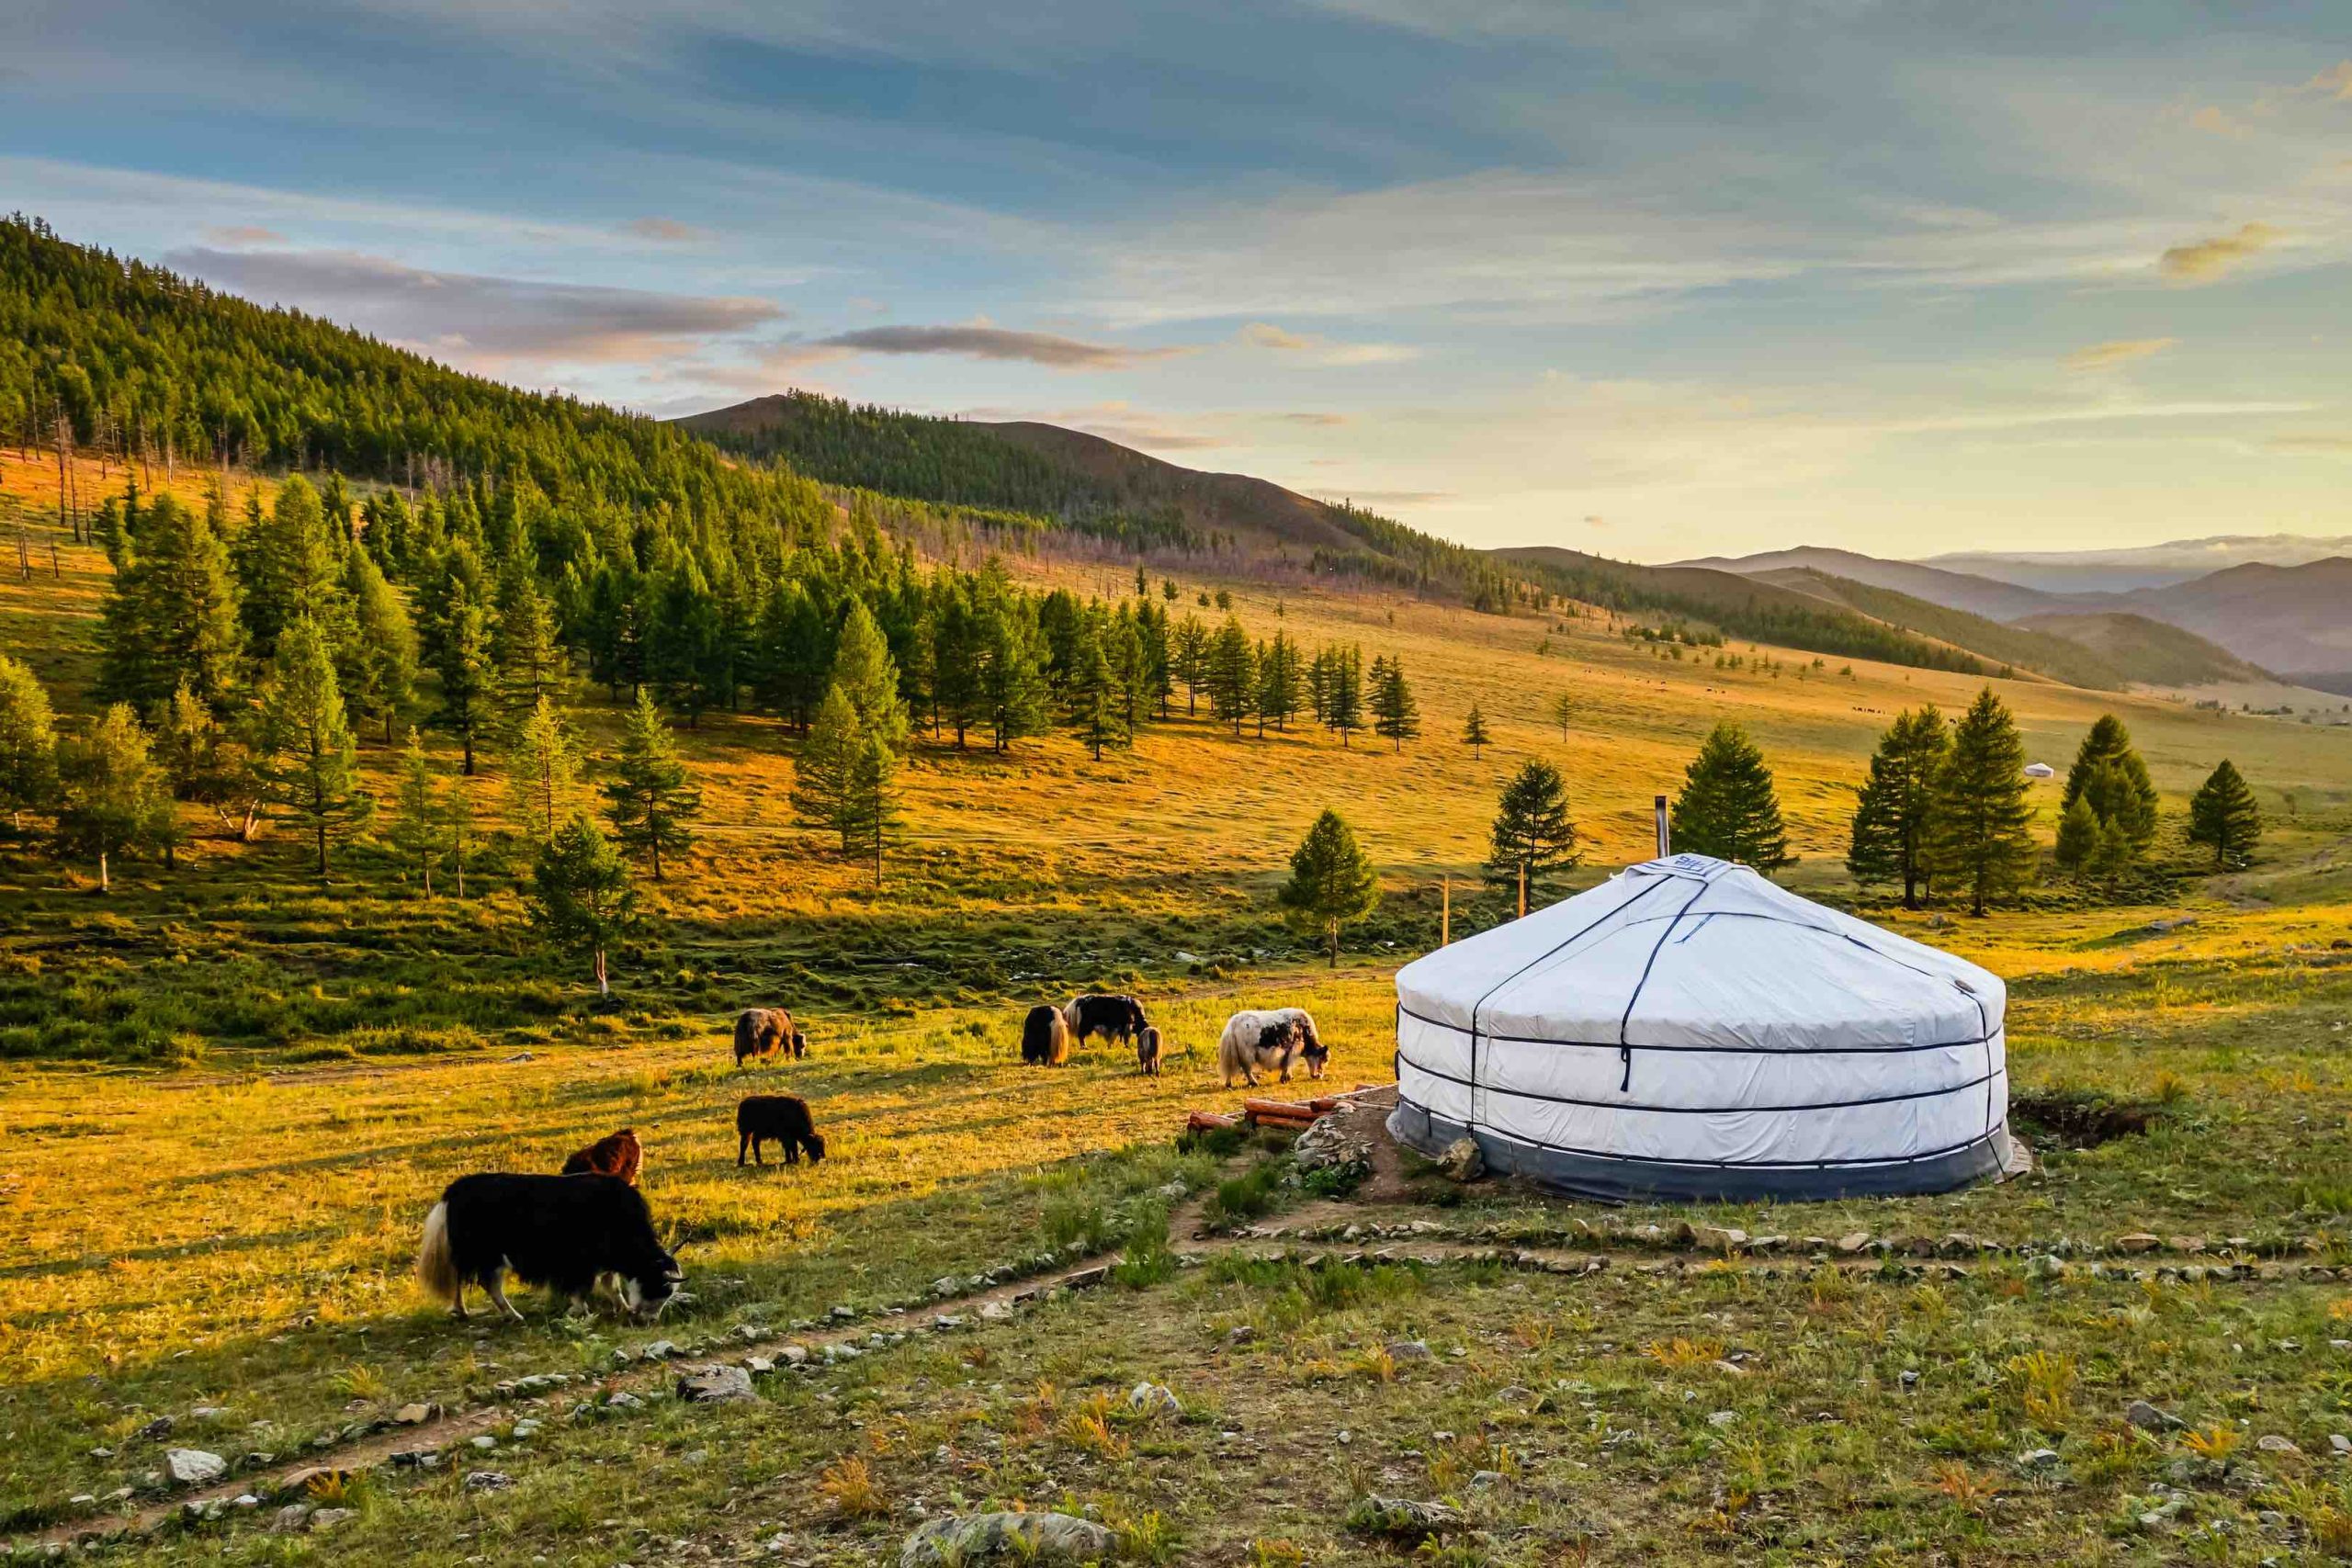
(1044, 1037)
(778, 1118)
(562, 1232)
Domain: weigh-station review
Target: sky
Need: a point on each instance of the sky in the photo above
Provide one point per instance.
(1650, 280)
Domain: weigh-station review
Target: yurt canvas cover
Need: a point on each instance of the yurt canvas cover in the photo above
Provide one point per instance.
(1690, 1030)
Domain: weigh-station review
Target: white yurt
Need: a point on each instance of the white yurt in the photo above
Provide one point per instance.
(1688, 1030)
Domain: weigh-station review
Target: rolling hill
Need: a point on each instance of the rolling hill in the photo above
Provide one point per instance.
(2152, 651)
(2040, 652)
(1081, 481)
(1954, 589)
(2292, 619)
(2141, 567)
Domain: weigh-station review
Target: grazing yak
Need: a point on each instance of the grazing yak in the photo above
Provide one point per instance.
(1044, 1037)
(562, 1232)
(767, 1031)
(776, 1118)
(1274, 1040)
(1121, 1018)
(619, 1156)
(1147, 1051)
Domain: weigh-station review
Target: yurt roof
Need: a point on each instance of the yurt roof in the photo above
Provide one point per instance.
(1699, 954)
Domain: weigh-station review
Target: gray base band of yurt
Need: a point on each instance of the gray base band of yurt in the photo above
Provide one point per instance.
(1688, 1030)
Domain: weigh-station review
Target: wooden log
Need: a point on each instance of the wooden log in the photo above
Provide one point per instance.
(1206, 1121)
(1280, 1108)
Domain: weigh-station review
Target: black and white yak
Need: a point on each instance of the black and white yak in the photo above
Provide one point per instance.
(565, 1233)
(1271, 1040)
(1121, 1018)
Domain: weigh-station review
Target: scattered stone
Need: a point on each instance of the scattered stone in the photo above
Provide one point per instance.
(959, 1538)
(2038, 1459)
(1402, 1518)
(289, 1519)
(793, 1355)
(996, 1311)
(623, 1400)
(194, 1467)
(844, 1313)
(485, 1442)
(414, 1458)
(1462, 1160)
(758, 1366)
(660, 1350)
(2138, 1241)
(1087, 1278)
(715, 1385)
(1408, 1350)
(2047, 1266)
(1240, 1334)
(488, 1481)
(1152, 1399)
(1910, 1377)
(2149, 1418)
(1484, 1478)
(1721, 1417)
(946, 1285)
(525, 1428)
(414, 1415)
(2338, 1443)
(1724, 1239)
(2272, 1443)
(327, 1518)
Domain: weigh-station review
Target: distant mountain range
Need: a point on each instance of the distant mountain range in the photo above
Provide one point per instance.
(2168, 627)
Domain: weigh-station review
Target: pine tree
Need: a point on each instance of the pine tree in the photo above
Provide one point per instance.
(2223, 813)
(27, 744)
(1473, 732)
(2079, 845)
(460, 655)
(1980, 835)
(288, 567)
(1893, 814)
(1159, 677)
(649, 798)
(378, 670)
(1563, 710)
(304, 754)
(1727, 807)
(1282, 684)
(170, 616)
(796, 655)
(2123, 796)
(1332, 881)
(1344, 702)
(418, 834)
(953, 628)
(1091, 696)
(542, 774)
(1396, 715)
(580, 896)
(846, 780)
(1232, 675)
(866, 675)
(1532, 832)
(1014, 691)
(113, 798)
(458, 818)
(1188, 661)
(528, 659)
(205, 762)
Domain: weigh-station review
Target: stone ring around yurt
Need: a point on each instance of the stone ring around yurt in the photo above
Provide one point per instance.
(1687, 1030)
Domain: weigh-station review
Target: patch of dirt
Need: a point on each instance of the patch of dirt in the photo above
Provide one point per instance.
(1367, 1116)
(2083, 1120)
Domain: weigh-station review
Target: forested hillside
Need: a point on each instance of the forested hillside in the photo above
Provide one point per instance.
(2041, 652)
(1074, 480)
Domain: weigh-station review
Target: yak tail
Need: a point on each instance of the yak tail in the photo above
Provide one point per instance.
(437, 1265)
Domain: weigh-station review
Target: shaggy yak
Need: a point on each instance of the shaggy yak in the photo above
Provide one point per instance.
(776, 1118)
(1256, 1042)
(1147, 1051)
(1121, 1018)
(767, 1031)
(1044, 1037)
(618, 1156)
(562, 1232)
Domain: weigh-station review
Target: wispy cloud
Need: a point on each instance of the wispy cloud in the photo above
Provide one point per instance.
(1322, 350)
(482, 322)
(244, 234)
(2117, 351)
(668, 231)
(2322, 444)
(2335, 81)
(2207, 260)
(993, 343)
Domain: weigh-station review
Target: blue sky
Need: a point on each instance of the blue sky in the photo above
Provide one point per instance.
(1653, 280)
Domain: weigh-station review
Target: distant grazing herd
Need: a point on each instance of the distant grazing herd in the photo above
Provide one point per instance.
(569, 1233)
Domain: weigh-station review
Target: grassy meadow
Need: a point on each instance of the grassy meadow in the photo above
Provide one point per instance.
(230, 1093)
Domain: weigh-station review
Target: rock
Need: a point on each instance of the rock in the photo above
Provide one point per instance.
(2272, 1443)
(758, 1366)
(1151, 1399)
(1724, 1239)
(2038, 1459)
(946, 1285)
(623, 1400)
(1853, 1242)
(996, 1311)
(488, 1481)
(485, 1442)
(1329, 1146)
(2047, 1266)
(715, 1385)
(2148, 1418)
(525, 1428)
(327, 1518)
(1087, 1278)
(959, 1538)
(289, 1519)
(660, 1350)
(1240, 1334)
(414, 1415)
(1720, 1418)
(1462, 1160)
(2138, 1241)
(155, 1431)
(1408, 1350)
(1403, 1519)
(1484, 1478)
(194, 1467)
(1910, 1377)
(793, 1355)
(2340, 1444)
